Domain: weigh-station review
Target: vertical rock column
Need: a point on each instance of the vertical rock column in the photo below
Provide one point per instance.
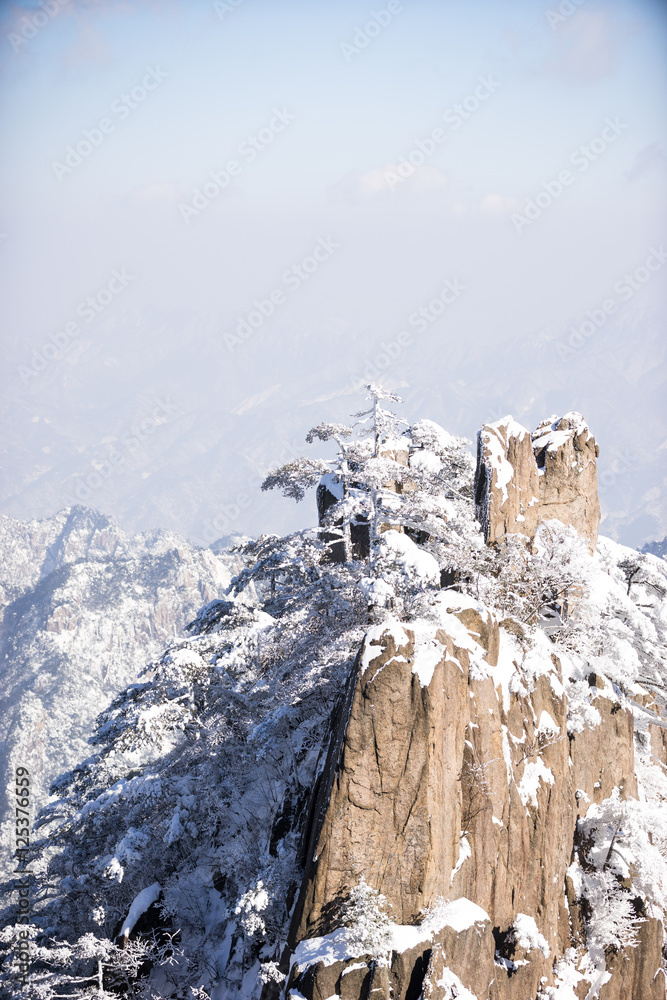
(523, 480)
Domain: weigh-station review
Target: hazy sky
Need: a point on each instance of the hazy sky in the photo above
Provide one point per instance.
(468, 196)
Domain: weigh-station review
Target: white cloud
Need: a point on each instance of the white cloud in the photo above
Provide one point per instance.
(495, 204)
(364, 185)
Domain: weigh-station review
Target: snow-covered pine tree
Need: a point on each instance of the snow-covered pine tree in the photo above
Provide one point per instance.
(367, 922)
(385, 475)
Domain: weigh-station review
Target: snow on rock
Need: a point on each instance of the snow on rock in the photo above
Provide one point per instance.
(452, 625)
(454, 600)
(547, 726)
(507, 756)
(140, 904)
(506, 670)
(547, 435)
(493, 437)
(450, 981)
(398, 550)
(465, 852)
(522, 481)
(331, 948)
(372, 644)
(332, 483)
(428, 652)
(534, 773)
(460, 915)
(527, 936)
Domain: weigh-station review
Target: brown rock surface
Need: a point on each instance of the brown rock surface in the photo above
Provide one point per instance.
(441, 784)
(523, 480)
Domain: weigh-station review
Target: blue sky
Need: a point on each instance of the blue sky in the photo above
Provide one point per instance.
(326, 175)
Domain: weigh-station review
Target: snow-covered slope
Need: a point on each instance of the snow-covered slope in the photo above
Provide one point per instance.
(84, 608)
(201, 789)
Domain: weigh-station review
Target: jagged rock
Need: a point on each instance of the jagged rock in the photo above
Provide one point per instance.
(506, 480)
(523, 480)
(442, 783)
(603, 757)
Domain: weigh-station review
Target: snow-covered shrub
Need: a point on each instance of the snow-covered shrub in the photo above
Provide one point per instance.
(270, 973)
(611, 918)
(249, 907)
(628, 839)
(368, 926)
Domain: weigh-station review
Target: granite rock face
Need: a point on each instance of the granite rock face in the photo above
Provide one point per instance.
(459, 797)
(524, 479)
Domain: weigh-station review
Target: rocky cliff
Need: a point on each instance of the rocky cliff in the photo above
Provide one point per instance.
(466, 787)
(481, 785)
(524, 479)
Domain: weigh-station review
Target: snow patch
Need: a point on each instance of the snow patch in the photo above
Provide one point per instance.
(139, 906)
(507, 755)
(534, 772)
(429, 652)
(527, 935)
(465, 852)
(460, 915)
(494, 436)
(547, 725)
(449, 980)
(332, 483)
(372, 645)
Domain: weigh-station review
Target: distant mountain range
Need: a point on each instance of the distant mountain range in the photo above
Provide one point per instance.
(84, 608)
(656, 548)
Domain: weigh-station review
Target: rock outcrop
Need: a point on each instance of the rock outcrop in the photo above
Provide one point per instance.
(524, 479)
(453, 787)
